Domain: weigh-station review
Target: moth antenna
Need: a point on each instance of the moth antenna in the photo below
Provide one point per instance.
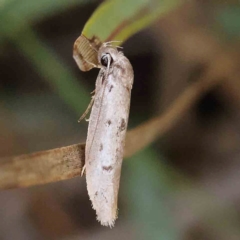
(108, 66)
(106, 44)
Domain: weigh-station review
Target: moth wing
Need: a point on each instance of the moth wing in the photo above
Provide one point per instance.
(105, 146)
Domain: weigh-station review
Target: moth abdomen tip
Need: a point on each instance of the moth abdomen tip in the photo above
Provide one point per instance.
(109, 223)
(107, 220)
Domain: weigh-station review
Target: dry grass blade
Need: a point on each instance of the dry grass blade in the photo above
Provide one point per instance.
(67, 162)
(42, 167)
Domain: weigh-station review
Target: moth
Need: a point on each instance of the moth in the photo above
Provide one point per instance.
(106, 132)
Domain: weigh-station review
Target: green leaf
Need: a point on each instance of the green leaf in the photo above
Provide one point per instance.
(120, 19)
(46, 62)
(147, 188)
(31, 11)
(229, 20)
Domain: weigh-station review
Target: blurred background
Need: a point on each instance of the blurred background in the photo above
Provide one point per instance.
(185, 186)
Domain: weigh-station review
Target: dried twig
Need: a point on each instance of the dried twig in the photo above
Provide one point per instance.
(42, 167)
(67, 162)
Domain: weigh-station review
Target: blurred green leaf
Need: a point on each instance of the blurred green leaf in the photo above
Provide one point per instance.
(35, 10)
(47, 63)
(229, 19)
(55, 71)
(148, 188)
(120, 19)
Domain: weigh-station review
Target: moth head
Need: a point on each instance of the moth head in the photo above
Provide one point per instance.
(107, 55)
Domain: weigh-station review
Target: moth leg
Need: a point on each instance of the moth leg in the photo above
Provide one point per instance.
(87, 119)
(87, 110)
(83, 170)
